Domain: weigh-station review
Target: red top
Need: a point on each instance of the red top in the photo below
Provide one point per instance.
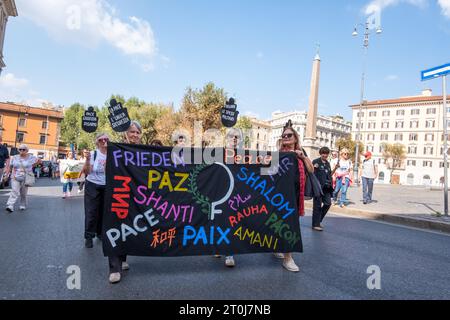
(302, 183)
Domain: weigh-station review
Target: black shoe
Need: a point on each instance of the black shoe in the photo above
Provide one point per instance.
(88, 243)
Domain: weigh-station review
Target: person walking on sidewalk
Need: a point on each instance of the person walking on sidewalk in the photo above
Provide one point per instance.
(323, 172)
(369, 172)
(22, 165)
(343, 178)
(66, 179)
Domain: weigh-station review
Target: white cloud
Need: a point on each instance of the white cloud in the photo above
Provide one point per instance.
(15, 89)
(445, 6)
(379, 5)
(392, 77)
(91, 22)
(11, 82)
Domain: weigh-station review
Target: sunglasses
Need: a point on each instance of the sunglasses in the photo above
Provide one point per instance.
(22, 149)
(103, 140)
(180, 138)
(287, 136)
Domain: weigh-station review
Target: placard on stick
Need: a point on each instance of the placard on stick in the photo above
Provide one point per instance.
(119, 119)
(90, 120)
(229, 114)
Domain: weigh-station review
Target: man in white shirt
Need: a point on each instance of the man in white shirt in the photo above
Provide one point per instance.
(368, 173)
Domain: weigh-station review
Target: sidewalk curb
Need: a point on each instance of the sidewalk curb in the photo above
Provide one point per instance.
(391, 218)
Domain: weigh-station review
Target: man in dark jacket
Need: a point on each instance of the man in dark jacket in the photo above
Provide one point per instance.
(321, 205)
(4, 159)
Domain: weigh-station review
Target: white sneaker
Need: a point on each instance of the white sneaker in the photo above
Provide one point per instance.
(278, 255)
(9, 209)
(218, 256)
(68, 194)
(64, 195)
(229, 262)
(80, 191)
(23, 208)
(125, 266)
(114, 277)
(290, 265)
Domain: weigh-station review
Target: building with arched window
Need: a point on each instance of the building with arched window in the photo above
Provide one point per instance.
(414, 122)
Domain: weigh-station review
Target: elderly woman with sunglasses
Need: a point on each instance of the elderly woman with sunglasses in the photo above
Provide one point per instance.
(21, 165)
(94, 195)
(291, 143)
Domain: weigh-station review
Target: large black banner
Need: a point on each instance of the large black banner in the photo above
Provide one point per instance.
(159, 205)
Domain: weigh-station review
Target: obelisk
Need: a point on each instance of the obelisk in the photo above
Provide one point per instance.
(309, 141)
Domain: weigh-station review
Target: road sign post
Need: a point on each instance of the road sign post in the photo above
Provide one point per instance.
(429, 74)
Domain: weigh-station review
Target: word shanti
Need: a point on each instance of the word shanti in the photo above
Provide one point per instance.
(126, 231)
(165, 209)
(254, 210)
(277, 201)
(255, 238)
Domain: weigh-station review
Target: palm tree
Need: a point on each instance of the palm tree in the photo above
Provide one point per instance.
(394, 155)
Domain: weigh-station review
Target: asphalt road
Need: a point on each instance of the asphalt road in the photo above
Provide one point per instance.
(38, 245)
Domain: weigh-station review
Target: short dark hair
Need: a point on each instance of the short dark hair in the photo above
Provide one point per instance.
(324, 150)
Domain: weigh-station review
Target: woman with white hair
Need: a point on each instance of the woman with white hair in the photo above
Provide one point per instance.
(21, 166)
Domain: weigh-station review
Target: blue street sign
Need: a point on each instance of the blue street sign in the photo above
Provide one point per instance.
(436, 72)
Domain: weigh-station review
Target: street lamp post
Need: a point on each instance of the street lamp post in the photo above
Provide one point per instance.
(361, 103)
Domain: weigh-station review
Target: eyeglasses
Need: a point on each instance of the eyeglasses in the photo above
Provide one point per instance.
(103, 140)
(287, 136)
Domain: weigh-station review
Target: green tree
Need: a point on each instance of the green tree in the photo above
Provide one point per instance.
(71, 124)
(246, 125)
(350, 144)
(203, 105)
(394, 155)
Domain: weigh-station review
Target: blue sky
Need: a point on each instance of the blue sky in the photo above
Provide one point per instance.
(259, 51)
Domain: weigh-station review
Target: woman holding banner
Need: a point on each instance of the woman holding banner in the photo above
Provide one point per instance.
(94, 195)
(118, 263)
(291, 143)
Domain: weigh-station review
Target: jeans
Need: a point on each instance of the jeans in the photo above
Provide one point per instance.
(341, 186)
(367, 184)
(67, 184)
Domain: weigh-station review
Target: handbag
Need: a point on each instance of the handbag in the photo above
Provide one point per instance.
(313, 188)
(30, 180)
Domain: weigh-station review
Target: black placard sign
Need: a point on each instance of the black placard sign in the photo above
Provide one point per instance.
(229, 114)
(159, 205)
(119, 119)
(90, 120)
